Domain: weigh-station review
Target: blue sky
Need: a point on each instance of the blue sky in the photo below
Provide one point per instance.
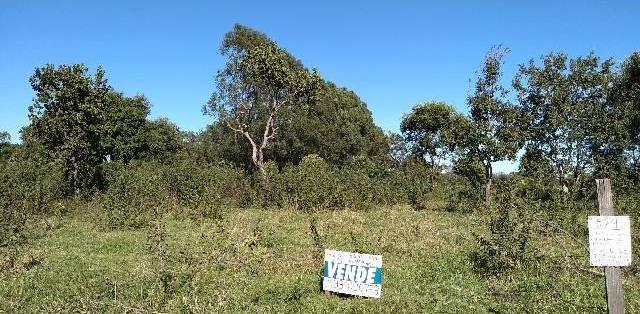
(393, 54)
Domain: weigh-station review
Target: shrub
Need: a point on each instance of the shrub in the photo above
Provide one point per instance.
(364, 183)
(506, 246)
(203, 189)
(418, 184)
(136, 193)
(29, 189)
(314, 184)
(355, 190)
(307, 186)
(459, 194)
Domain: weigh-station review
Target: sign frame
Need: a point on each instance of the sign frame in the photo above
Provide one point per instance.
(352, 273)
(609, 241)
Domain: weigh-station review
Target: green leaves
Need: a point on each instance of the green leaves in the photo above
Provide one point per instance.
(432, 131)
(83, 122)
(495, 131)
(65, 117)
(284, 111)
(573, 120)
(5, 138)
(495, 122)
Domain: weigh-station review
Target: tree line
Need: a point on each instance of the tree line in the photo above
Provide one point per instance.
(567, 117)
(266, 106)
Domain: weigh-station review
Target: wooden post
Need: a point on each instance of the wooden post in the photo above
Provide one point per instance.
(612, 275)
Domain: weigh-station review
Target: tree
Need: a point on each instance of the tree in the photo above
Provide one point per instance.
(627, 96)
(122, 127)
(572, 118)
(161, 140)
(5, 141)
(431, 131)
(471, 168)
(399, 151)
(338, 128)
(65, 116)
(533, 164)
(81, 121)
(5, 138)
(259, 82)
(495, 132)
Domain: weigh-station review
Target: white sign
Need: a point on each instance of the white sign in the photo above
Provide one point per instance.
(352, 273)
(609, 240)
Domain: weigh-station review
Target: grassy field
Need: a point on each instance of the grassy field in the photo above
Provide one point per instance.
(269, 261)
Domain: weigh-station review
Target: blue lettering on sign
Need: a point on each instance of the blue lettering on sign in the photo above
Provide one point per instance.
(363, 274)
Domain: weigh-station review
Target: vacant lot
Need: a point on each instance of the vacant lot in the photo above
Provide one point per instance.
(270, 261)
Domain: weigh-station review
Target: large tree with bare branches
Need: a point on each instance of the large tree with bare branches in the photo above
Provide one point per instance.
(259, 82)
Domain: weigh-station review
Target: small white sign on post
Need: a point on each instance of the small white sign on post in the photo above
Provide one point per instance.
(352, 273)
(609, 240)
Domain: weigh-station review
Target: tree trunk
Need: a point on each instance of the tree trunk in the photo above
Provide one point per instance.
(488, 178)
(433, 163)
(75, 176)
(257, 157)
(260, 163)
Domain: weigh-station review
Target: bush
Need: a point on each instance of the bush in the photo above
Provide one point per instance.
(459, 194)
(628, 203)
(506, 246)
(203, 189)
(365, 184)
(29, 189)
(313, 184)
(355, 189)
(307, 186)
(136, 194)
(418, 184)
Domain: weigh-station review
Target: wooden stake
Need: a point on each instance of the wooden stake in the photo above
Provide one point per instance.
(613, 276)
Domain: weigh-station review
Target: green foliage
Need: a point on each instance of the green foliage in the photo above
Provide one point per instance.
(141, 190)
(534, 164)
(64, 117)
(313, 116)
(309, 185)
(260, 83)
(83, 122)
(203, 190)
(471, 168)
(121, 127)
(495, 132)
(5, 145)
(561, 99)
(136, 194)
(5, 138)
(372, 185)
(361, 184)
(433, 130)
(219, 143)
(399, 150)
(459, 193)
(418, 179)
(627, 95)
(338, 127)
(29, 190)
(161, 140)
(507, 244)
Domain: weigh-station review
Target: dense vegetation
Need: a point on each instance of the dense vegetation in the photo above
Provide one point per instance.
(292, 164)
